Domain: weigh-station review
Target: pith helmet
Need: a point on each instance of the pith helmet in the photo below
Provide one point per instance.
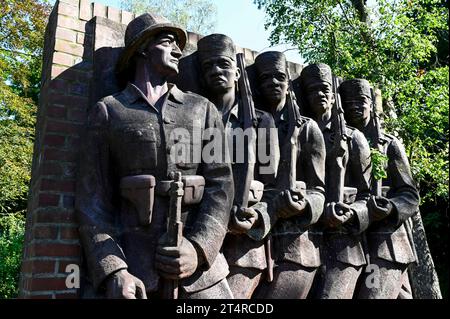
(142, 28)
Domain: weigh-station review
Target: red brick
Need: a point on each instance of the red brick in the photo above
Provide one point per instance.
(39, 284)
(64, 263)
(57, 71)
(54, 140)
(58, 112)
(85, 10)
(114, 14)
(60, 155)
(63, 59)
(71, 23)
(55, 250)
(60, 127)
(68, 100)
(52, 169)
(79, 88)
(126, 17)
(48, 200)
(68, 10)
(77, 115)
(80, 37)
(55, 217)
(45, 232)
(66, 34)
(68, 233)
(58, 85)
(69, 47)
(39, 266)
(57, 185)
(99, 10)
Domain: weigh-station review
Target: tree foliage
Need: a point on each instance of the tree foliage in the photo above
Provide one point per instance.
(22, 25)
(12, 228)
(198, 16)
(402, 47)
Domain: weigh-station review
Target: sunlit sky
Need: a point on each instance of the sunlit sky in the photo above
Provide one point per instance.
(243, 22)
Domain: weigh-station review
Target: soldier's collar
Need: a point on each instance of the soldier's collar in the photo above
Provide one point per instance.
(283, 114)
(175, 93)
(235, 110)
(133, 93)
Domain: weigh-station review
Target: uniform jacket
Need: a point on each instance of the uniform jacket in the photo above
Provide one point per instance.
(296, 239)
(127, 136)
(247, 250)
(345, 243)
(388, 238)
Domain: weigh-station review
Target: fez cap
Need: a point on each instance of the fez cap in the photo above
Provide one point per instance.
(141, 29)
(270, 61)
(356, 87)
(316, 72)
(216, 45)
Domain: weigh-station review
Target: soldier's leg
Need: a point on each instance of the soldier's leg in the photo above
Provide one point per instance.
(243, 281)
(290, 281)
(220, 290)
(339, 280)
(384, 281)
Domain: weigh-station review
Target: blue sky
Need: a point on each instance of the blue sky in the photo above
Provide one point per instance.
(243, 22)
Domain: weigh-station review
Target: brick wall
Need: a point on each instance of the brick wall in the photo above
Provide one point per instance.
(51, 239)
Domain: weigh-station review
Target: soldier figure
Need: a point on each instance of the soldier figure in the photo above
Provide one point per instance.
(130, 139)
(243, 246)
(389, 236)
(294, 210)
(345, 219)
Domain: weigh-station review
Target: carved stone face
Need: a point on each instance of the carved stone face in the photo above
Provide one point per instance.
(319, 95)
(220, 73)
(357, 111)
(163, 54)
(273, 86)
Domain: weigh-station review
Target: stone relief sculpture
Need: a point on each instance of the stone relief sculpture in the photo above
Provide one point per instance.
(391, 247)
(243, 192)
(229, 89)
(125, 191)
(348, 164)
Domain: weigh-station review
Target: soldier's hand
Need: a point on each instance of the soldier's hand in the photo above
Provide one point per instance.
(379, 207)
(290, 203)
(176, 262)
(242, 219)
(337, 214)
(123, 285)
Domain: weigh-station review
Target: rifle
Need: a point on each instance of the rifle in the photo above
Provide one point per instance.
(340, 134)
(287, 168)
(174, 226)
(250, 123)
(242, 190)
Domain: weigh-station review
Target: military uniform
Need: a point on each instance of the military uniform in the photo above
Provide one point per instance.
(296, 240)
(390, 239)
(126, 136)
(343, 250)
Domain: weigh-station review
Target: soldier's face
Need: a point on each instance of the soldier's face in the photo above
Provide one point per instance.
(220, 73)
(357, 111)
(320, 97)
(163, 54)
(273, 85)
